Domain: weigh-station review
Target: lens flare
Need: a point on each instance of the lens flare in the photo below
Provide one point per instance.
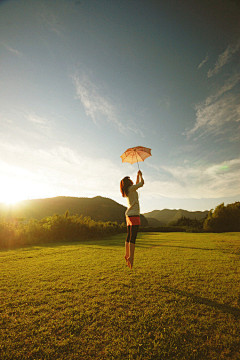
(224, 167)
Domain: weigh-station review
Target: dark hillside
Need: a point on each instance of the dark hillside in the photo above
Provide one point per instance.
(98, 208)
(154, 222)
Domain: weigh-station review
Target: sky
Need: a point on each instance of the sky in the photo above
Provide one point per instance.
(83, 81)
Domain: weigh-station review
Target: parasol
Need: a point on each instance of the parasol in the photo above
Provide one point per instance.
(136, 154)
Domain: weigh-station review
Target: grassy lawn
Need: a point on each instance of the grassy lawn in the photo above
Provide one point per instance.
(80, 301)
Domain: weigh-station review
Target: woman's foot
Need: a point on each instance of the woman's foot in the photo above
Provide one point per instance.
(130, 262)
(126, 258)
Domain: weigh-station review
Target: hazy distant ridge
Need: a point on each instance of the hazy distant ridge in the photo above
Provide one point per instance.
(162, 217)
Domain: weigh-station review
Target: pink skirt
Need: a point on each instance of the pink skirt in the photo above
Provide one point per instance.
(133, 220)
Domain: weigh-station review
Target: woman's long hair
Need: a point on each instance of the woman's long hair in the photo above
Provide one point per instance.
(124, 185)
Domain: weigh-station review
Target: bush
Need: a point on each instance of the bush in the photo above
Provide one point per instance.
(190, 225)
(54, 229)
(223, 218)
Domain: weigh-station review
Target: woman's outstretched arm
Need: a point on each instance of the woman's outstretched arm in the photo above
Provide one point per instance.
(139, 177)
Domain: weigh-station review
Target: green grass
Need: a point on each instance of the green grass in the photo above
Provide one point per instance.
(80, 301)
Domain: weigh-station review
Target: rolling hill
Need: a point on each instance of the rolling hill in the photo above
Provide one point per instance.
(98, 208)
(161, 217)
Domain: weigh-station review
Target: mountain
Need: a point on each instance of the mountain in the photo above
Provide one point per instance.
(165, 216)
(98, 208)
(154, 222)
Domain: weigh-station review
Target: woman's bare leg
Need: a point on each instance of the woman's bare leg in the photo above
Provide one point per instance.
(133, 236)
(131, 255)
(127, 250)
(127, 253)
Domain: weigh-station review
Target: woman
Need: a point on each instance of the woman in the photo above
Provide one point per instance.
(129, 190)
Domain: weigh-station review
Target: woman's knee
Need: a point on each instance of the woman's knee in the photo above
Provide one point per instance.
(128, 234)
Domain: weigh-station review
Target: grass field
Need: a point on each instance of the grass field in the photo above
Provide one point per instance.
(80, 301)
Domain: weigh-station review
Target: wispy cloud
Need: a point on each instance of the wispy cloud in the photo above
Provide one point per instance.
(203, 62)
(63, 171)
(35, 118)
(98, 106)
(13, 51)
(24, 125)
(224, 58)
(218, 109)
(57, 171)
(213, 181)
(49, 18)
(94, 103)
(222, 106)
(42, 124)
(165, 102)
(227, 86)
(213, 116)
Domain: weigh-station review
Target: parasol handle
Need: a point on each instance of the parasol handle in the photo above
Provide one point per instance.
(137, 161)
(138, 169)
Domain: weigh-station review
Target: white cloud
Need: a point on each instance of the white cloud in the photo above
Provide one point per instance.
(218, 109)
(35, 118)
(93, 102)
(41, 124)
(99, 107)
(13, 51)
(227, 86)
(214, 181)
(213, 116)
(224, 58)
(62, 171)
(57, 171)
(203, 62)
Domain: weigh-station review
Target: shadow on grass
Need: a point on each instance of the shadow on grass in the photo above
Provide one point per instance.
(153, 245)
(201, 300)
(105, 241)
(99, 243)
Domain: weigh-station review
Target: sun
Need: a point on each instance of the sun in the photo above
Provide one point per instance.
(11, 196)
(18, 184)
(14, 190)
(11, 201)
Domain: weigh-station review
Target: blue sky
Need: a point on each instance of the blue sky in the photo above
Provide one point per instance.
(82, 81)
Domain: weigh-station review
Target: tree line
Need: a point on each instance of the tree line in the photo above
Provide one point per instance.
(222, 219)
(54, 229)
(65, 228)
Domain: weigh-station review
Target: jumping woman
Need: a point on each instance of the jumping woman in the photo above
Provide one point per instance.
(129, 190)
